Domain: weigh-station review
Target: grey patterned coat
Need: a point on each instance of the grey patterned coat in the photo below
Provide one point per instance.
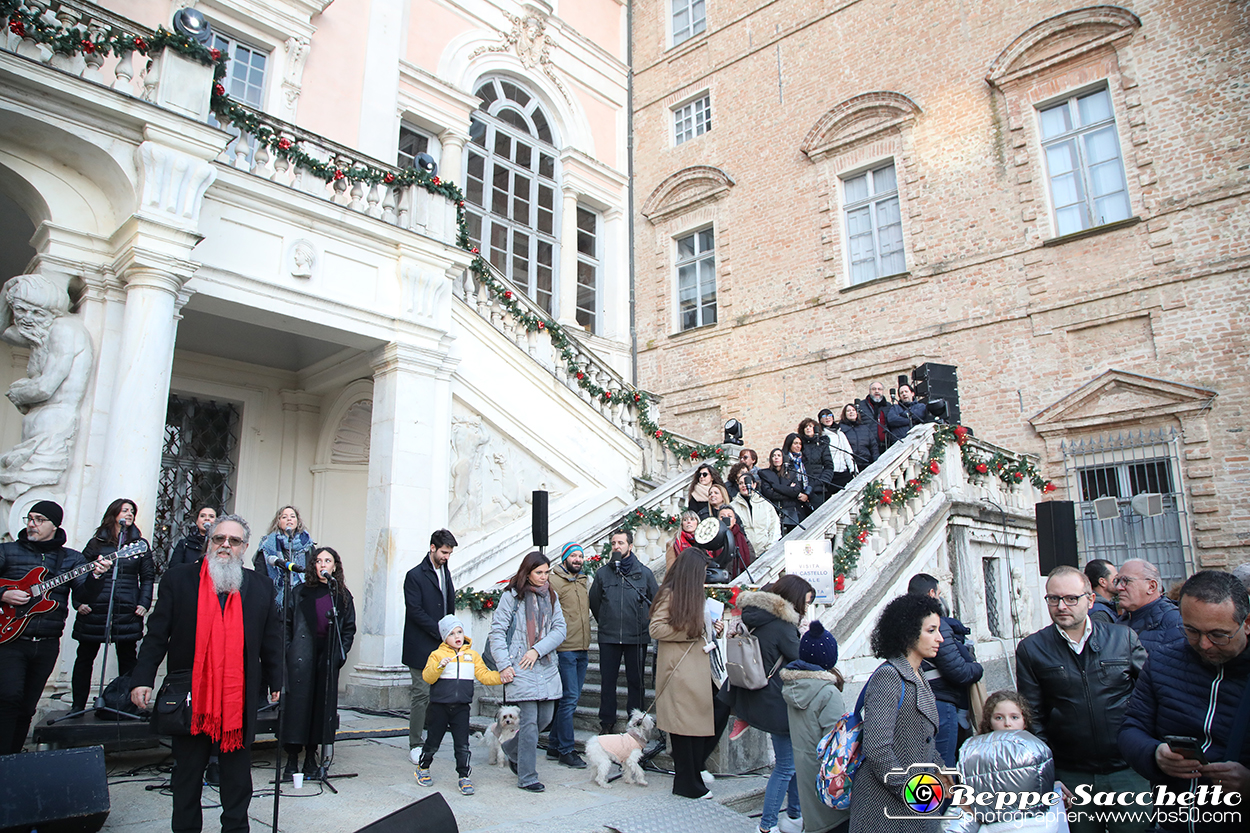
(893, 737)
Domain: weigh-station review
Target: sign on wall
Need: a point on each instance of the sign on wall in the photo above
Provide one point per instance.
(813, 560)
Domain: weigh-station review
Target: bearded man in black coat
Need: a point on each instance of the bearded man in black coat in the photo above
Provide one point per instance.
(204, 613)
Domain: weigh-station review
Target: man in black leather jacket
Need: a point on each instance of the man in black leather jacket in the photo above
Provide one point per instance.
(620, 599)
(1078, 676)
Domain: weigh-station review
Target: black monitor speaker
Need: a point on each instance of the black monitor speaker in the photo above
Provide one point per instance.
(539, 522)
(429, 815)
(1056, 535)
(61, 791)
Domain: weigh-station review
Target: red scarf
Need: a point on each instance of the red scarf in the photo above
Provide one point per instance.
(217, 688)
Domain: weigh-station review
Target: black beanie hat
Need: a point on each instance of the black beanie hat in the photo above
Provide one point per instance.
(819, 647)
(51, 511)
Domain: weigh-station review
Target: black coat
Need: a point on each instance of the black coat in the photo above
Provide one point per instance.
(875, 414)
(306, 685)
(423, 607)
(862, 437)
(783, 493)
(17, 558)
(775, 623)
(818, 461)
(900, 418)
(956, 664)
(171, 633)
(620, 598)
(189, 549)
(135, 577)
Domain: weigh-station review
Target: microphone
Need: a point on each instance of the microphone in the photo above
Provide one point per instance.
(324, 574)
(282, 564)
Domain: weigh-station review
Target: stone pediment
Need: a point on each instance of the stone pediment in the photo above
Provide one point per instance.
(1062, 38)
(685, 190)
(1118, 397)
(858, 118)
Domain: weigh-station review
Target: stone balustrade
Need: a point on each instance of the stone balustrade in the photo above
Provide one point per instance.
(90, 22)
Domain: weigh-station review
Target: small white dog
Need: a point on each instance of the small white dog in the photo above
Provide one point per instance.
(625, 749)
(505, 727)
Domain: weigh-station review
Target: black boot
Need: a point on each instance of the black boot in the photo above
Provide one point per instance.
(292, 764)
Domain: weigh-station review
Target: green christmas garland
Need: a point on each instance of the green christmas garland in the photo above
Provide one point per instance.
(485, 601)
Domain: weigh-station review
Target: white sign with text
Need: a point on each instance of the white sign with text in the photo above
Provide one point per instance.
(813, 560)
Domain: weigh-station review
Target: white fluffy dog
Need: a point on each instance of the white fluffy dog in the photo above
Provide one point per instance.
(505, 727)
(625, 749)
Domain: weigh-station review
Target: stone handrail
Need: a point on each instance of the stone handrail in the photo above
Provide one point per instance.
(92, 22)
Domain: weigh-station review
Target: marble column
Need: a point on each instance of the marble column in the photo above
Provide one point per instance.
(566, 287)
(407, 497)
(451, 161)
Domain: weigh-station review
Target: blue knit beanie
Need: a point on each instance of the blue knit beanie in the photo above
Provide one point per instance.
(568, 549)
(819, 647)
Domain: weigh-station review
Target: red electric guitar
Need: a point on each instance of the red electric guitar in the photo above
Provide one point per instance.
(13, 618)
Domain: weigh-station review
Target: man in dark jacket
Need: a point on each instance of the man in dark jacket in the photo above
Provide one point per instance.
(191, 548)
(620, 599)
(1193, 687)
(906, 413)
(1101, 574)
(873, 408)
(428, 596)
(1077, 676)
(949, 673)
(1146, 610)
(231, 606)
(27, 660)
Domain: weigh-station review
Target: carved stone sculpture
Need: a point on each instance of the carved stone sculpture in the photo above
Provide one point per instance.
(34, 313)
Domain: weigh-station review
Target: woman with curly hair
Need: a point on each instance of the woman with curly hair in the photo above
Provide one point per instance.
(900, 717)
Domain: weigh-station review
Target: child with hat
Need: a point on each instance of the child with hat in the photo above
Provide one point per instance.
(450, 672)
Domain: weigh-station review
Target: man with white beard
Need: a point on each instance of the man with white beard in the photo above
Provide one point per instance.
(220, 629)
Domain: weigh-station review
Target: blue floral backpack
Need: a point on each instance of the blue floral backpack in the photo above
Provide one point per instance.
(839, 755)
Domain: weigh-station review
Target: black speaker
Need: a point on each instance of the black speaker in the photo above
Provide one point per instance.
(539, 522)
(429, 815)
(939, 381)
(1056, 535)
(63, 791)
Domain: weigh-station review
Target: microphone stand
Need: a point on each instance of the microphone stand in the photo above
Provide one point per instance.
(286, 610)
(335, 639)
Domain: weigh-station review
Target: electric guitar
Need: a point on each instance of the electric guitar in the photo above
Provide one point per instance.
(13, 618)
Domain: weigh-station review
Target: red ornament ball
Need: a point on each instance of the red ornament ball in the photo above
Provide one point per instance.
(839, 583)
(607, 394)
(914, 483)
(88, 47)
(1019, 476)
(658, 433)
(215, 54)
(934, 467)
(474, 250)
(982, 468)
(542, 326)
(219, 90)
(284, 143)
(141, 44)
(508, 294)
(338, 174)
(580, 375)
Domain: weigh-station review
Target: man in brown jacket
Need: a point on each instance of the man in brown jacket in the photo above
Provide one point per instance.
(573, 588)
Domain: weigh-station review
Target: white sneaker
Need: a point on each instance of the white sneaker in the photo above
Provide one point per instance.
(707, 777)
(414, 755)
(785, 824)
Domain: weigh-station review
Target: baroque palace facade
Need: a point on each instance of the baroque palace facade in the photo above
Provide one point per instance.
(1049, 195)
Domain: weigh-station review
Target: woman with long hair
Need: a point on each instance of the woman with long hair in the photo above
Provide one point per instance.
(314, 657)
(287, 540)
(861, 436)
(132, 598)
(756, 515)
(839, 453)
(705, 476)
(190, 548)
(780, 486)
(772, 615)
(685, 703)
(900, 716)
(525, 631)
(684, 539)
(817, 460)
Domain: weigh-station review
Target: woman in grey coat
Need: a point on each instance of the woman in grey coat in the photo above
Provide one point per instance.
(525, 631)
(900, 722)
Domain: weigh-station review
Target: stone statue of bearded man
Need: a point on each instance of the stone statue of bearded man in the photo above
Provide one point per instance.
(34, 314)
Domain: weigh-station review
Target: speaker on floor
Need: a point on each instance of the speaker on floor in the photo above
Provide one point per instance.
(429, 815)
(1056, 535)
(539, 522)
(61, 791)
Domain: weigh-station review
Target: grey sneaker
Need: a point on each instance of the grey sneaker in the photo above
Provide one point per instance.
(466, 786)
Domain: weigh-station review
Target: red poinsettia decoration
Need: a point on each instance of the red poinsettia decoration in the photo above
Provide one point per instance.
(580, 375)
(694, 455)
(914, 483)
(18, 28)
(338, 174)
(284, 143)
(982, 468)
(488, 604)
(862, 537)
(934, 468)
(607, 394)
(887, 496)
(733, 597)
(1019, 476)
(88, 47)
(219, 90)
(839, 583)
(1048, 488)
(215, 54)
(659, 433)
(507, 293)
(141, 44)
(437, 181)
(961, 434)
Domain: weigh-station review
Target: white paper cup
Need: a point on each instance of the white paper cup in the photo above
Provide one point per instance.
(298, 777)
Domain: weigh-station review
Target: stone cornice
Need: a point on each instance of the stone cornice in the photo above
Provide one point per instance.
(1060, 39)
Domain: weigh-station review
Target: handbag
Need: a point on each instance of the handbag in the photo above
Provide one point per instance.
(117, 699)
(744, 661)
(171, 711)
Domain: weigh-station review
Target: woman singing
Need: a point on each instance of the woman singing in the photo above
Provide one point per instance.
(287, 540)
(131, 599)
(313, 680)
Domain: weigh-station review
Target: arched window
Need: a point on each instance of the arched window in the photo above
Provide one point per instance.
(510, 192)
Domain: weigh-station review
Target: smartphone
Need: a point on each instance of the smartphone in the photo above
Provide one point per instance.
(1186, 747)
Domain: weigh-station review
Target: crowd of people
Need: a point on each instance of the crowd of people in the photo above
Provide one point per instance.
(1126, 690)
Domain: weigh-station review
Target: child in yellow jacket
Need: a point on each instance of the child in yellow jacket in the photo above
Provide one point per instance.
(450, 672)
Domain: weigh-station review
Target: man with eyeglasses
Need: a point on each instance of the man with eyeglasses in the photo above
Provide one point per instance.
(1195, 687)
(27, 660)
(1077, 676)
(217, 624)
(1146, 610)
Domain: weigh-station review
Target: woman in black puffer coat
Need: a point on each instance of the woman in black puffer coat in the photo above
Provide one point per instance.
(817, 459)
(862, 436)
(773, 616)
(779, 485)
(132, 599)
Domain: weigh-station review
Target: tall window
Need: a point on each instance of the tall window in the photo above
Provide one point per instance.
(510, 187)
(588, 258)
(689, 19)
(1086, 174)
(696, 279)
(874, 226)
(245, 72)
(411, 143)
(693, 119)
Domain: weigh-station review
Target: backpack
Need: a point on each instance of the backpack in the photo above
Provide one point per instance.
(744, 661)
(839, 755)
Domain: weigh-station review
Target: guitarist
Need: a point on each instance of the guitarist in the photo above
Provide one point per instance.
(27, 661)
